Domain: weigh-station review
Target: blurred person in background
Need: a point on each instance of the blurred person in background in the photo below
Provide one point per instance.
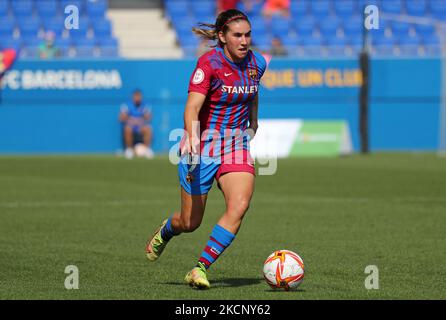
(135, 116)
(47, 49)
(276, 7)
(277, 48)
(223, 100)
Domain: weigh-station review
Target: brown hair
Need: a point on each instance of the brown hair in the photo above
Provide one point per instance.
(210, 32)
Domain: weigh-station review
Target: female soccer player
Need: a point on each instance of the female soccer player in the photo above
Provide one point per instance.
(223, 101)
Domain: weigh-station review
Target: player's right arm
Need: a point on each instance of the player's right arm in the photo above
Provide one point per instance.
(194, 103)
(123, 114)
(199, 87)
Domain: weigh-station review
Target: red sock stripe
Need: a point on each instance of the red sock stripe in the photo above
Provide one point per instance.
(213, 239)
(210, 252)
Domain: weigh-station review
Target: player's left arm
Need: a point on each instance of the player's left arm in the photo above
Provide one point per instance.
(253, 115)
(147, 114)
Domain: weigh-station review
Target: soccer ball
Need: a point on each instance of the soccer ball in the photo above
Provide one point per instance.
(283, 269)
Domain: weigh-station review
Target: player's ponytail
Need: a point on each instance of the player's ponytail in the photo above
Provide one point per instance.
(209, 31)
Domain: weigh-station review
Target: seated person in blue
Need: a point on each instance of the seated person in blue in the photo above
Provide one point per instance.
(135, 115)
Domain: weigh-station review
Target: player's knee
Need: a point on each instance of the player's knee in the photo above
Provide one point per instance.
(239, 205)
(127, 130)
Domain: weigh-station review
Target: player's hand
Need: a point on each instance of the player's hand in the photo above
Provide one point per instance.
(251, 131)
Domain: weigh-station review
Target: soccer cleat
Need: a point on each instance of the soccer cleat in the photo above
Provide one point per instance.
(156, 244)
(196, 278)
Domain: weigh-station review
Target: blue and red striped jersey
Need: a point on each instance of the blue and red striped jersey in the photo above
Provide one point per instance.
(230, 89)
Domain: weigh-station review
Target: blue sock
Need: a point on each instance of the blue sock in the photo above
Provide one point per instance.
(167, 232)
(219, 240)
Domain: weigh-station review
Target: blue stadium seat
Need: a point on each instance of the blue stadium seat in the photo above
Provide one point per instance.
(321, 8)
(299, 9)
(96, 8)
(78, 33)
(336, 45)
(55, 24)
(438, 9)
(432, 40)
(204, 8)
(255, 9)
(329, 27)
(48, 8)
(346, 8)
(102, 28)
(23, 8)
(10, 43)
(306, 26)
(392, 6)
(7, 27)
(29, 27)
(4, 8)
(409, 46)
(400, 29)
(84, 42)
(177, 10)
(416, 8)
(424, 31)
(352, 27)
(280, 25)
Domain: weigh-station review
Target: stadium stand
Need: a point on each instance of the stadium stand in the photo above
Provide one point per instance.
(24, 23)
(326, 27)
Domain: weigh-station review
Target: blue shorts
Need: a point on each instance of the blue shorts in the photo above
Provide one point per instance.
(209, 168)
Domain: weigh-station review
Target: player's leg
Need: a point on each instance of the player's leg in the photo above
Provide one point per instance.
(237, 188)
(187, 220)
(193, 202)
(128, 140)
(146, 133)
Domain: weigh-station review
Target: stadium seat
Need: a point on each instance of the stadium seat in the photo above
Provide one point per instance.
(177, 10)
(409, 46)
(55, 24)
(280, 25)
(321, 8)
(336, 45)
(10, 43)
(102, 28)
(423, 30)
(96, 8)
(392, 6)
(47, 8)
(254, 11)
(299, 9)
(4, 8)
(345, 8)
(306, 26)
(400, 29)
(438, 9)
(353, 27)
(416, 8)
(23, 8)
(329, 27)
(7, 27)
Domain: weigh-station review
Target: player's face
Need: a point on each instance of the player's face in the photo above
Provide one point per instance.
(137, 98)
(237, 39)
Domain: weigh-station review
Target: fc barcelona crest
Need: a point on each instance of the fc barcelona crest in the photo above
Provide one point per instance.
(252, 74)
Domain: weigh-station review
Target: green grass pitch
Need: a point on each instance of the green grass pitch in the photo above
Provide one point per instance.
(340, 215)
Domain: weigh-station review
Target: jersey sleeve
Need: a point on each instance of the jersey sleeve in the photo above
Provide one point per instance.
(124, 108)
(201, 78)
(261, 64)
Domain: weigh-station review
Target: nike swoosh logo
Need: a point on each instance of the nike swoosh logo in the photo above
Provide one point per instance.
(227, 74)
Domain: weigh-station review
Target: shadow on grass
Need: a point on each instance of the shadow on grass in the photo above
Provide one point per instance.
(226, 282)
